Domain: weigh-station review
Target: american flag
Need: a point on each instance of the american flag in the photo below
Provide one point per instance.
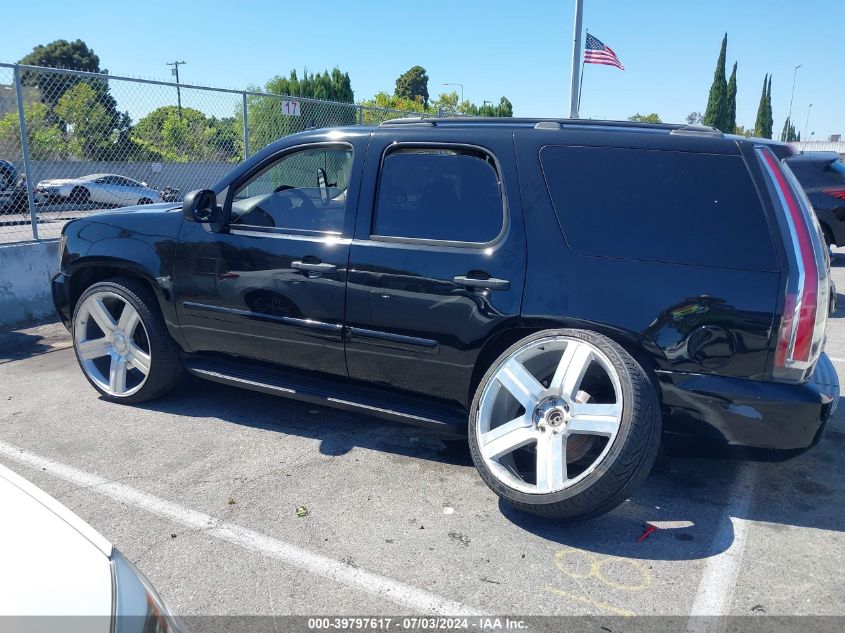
(596, 52)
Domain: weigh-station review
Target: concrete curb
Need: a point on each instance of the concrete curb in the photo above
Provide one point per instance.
(25, 271)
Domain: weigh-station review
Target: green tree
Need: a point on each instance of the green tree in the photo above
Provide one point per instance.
(769, 120)
(165, 135)
(743, 131)
(393, 102)
(731, 114)
(789, 135)
(503, 109)
(694, 118)
(268, 122)
(762, 109)
(88, 123)
(46, 141)
(645, 118)
(59, 54)
(413, 84)
(716, 113)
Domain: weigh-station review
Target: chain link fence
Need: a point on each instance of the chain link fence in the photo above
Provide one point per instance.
(73, 142)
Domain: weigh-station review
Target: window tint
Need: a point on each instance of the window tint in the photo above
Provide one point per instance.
(662, 206)
(439, 194)
(303, 191)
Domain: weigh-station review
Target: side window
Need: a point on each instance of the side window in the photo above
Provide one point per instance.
(301, 192)
(439, 194)
(659, 206)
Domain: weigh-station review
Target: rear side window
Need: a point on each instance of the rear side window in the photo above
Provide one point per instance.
(661, 206)
(439, 194)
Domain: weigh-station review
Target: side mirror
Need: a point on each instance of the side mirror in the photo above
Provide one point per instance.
(201, 206)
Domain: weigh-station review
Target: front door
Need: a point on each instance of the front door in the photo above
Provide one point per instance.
(438, 260)
(271, 287)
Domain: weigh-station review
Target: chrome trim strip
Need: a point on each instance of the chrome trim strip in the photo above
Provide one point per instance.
(305, 323)
(393, 338)
(367, 407)
(246, 381)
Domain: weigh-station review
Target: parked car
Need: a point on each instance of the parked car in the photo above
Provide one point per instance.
(822, 175)
(13, 195)
(481, 276)
(105, 189)
(55, 564)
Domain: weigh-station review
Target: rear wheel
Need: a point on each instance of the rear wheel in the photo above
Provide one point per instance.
(80, 195)
(122, 343)
(565, 424)
(145, 201)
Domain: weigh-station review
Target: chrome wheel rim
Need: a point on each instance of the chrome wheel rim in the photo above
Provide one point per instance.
(542, 401)
(112, 344)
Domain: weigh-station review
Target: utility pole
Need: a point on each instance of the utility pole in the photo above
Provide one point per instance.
(792, 98)
(574, 92)
(175, 71)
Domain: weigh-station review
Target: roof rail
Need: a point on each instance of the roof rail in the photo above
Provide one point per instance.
(410, 120)
(548, 125)
(697, 130)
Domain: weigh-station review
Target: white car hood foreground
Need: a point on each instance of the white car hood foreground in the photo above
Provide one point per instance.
(51, 561)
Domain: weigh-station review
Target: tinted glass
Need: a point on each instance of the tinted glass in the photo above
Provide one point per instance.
(303, 191)
(837, 167)
(659, 206)
(438, 194)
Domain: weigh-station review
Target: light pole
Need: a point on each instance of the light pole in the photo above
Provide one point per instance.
(175, 71)
(794, 73)
(457, 84)
(807, 122)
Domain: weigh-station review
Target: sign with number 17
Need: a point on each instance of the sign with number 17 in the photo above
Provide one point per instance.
(290, 107)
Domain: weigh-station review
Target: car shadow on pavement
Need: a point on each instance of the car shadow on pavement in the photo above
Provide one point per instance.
(16, 345)
(687, 498)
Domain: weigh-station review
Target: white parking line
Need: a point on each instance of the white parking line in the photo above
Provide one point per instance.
(837, 360)
(379, 586)
(718, 581)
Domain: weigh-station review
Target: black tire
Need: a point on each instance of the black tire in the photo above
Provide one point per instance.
(166, 367)
(145, 201)
(628, 461)
(80, 195)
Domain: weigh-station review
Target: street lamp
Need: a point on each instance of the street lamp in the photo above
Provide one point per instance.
(794, 73)
(457, 84)
(807, 122)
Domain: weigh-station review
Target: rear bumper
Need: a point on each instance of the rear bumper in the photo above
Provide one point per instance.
(60, 286)
(750, 413)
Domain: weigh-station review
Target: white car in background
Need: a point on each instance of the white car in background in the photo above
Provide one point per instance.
(52, 563)
(106, 189)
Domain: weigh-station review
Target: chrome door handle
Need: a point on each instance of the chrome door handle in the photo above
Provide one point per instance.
(490, 283)
(315, 267)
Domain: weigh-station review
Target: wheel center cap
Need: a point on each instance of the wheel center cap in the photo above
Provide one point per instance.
(119, 343)
(552, 412)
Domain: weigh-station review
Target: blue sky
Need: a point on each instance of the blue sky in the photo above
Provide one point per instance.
(493, 47)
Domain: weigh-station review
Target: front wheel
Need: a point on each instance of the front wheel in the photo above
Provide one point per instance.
(565, 424)
(122, 343)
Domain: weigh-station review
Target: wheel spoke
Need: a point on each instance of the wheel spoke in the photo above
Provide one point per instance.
(98, 311)
(551, 462)
(128, 321)
(571, 368)
(95, 348)
(521, 384)
(139, 359)
(117, 375)
(595, 419)
(508, 437)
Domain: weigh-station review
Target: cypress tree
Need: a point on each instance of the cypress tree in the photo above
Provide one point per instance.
(731, 115)
(769, 120)
(760, 122)
(716, 113)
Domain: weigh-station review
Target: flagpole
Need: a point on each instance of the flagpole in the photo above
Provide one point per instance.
(575, 81)
(581, 82)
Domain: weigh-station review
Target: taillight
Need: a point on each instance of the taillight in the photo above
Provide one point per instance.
(836, 192)
(802, 327)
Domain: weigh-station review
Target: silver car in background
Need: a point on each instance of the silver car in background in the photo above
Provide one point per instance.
(104, 189)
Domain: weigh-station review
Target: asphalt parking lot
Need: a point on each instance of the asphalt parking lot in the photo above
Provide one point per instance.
(201, 490)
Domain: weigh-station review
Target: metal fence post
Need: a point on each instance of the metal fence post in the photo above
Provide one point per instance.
(360, 115)
(246, 131)
(27, 169)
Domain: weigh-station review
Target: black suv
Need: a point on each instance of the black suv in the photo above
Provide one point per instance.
(564, 292)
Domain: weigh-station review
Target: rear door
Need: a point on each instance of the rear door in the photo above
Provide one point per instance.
(437, 263)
